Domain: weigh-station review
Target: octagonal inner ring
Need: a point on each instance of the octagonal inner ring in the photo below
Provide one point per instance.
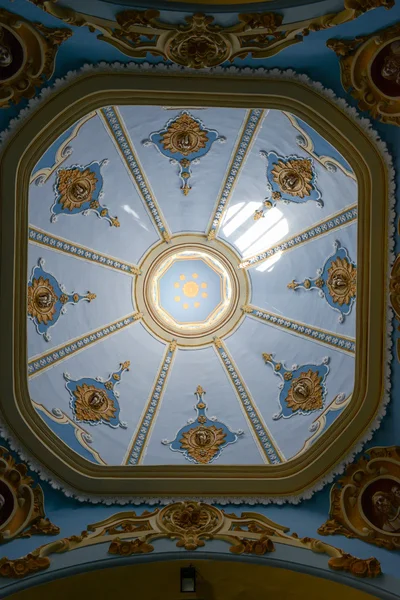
(191, 291)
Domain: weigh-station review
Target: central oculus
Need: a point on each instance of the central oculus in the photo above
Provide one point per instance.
(190, 290)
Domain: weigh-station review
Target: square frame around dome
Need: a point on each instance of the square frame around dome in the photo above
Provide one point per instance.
(92, 90)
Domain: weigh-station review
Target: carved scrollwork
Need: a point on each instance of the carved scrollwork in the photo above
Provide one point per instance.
(365, 502)
(191, 524)
(199, 42)
(27, 56)
(370, 71)
(21, 503)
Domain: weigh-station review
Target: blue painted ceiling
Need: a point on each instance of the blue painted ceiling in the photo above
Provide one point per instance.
(93, 248)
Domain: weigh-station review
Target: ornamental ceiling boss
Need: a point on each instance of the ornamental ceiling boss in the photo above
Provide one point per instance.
(370, 71)
(21, 504)
(365, 502)
(27, 56)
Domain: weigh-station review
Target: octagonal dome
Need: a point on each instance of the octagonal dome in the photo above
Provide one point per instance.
(191, 283)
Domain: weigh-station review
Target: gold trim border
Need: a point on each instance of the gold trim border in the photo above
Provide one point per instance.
(89, 91)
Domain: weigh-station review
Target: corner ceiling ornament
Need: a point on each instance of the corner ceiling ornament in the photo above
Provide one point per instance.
(370, 72)
(184, 140)
(47, 299)
(95, 401)
(192, 524)
(303, 388)
(79, 189)
(289, 179)
(336, 282)
(27, 56)
(200, 43)
(21, 503)
(365, 502)
(204, 441)
(395, 295)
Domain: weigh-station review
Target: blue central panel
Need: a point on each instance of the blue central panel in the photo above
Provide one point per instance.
(190, 290)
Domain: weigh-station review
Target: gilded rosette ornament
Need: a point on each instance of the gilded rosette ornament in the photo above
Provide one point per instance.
(21, 502)
(95, 401)
(27, 56)
(303, 388)
(184, 140)
(47, 299)
(290, 179)
(336, 282)
(203, 440)
(370, 71)
(365, 502)
(80, 190)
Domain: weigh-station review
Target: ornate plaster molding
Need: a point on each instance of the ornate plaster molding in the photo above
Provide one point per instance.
(21, 502)
(27, 56)
(192, 524)
(253, 78)
(199, 42)
(370, 71)
(365, 502)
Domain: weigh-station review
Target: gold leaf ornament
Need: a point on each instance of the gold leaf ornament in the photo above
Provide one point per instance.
(294, 176)
(305, 392)
(41, 300)
(184, 136)
(93, 404)
(75, 187)
(202, 443)
(342, 280)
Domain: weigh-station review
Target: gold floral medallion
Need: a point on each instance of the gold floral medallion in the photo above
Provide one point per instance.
(294, 176)
(341, 281)
(184, 136)
(93, 404)
(75, 187)
(202, 443)
(306, 392)
(41, 300)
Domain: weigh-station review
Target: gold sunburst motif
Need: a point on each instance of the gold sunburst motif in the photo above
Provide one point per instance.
(75, 187)
(41, 300)
(93, 404)
(342, 276)
(294, 176)
(184, 136)
(306, 392)
(202, 443)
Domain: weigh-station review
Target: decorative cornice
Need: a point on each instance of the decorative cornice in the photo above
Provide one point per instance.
(247, 135)
(199, 42)
(344, 217)
(117, 130)
(321, 336)
(43, 361)
(262, 435)
(58, 244)
(140, 438)
(192, 524)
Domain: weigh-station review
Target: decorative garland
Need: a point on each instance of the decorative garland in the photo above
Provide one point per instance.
(287, 75)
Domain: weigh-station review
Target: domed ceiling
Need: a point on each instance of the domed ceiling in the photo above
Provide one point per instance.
(191, 286)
